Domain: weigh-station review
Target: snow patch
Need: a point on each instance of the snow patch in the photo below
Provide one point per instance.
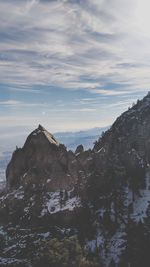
(19, 195)
(56, 204)
(110, 248)
(141, 202)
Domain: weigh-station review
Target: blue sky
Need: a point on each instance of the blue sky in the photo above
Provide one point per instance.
(72, 64)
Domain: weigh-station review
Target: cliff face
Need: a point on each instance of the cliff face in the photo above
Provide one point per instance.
(99, 194)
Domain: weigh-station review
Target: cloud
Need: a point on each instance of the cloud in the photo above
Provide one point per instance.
(87, 110)
(74, 45)
(24, 90)
(63, 62)
(10, 103)
(14, 103)
(109, 92)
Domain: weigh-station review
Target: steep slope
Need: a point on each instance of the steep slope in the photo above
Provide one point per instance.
(101, 195)
(131, 130)
(125, 147)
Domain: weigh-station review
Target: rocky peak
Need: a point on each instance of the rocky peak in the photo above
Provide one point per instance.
(79, 149)
(42, 135)
(45, 163)
(41, 128)
(41, 157)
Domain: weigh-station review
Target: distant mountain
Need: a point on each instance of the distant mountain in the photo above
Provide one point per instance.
(87, 137)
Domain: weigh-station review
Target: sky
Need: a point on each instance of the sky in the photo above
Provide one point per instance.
(71, 64)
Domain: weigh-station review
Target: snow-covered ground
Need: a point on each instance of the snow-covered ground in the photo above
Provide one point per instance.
(109, 248)
(55, 204)
(141, 202)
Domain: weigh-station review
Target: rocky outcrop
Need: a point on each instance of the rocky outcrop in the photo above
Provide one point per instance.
(42, 160)
(79, 149)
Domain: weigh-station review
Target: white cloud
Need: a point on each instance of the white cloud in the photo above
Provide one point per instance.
(10, 103)
(109, 92)
(75, 45)
(24, 90)
(16, 104)
(100, 47)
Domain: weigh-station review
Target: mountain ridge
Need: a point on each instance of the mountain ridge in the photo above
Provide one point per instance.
(101, 195)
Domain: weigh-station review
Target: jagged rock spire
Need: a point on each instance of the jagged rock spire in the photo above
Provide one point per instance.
(43, 132)
(41, 128)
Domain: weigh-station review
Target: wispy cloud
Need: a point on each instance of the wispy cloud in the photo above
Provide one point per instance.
(10, 103)
(74, 45)
(16, 104)
(24, 90)
(110, 92)
(62, 62)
